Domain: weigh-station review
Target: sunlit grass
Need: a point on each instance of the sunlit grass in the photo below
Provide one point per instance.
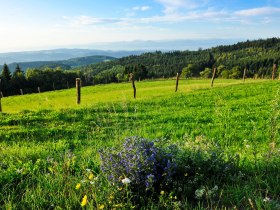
(110, 93)
(55, 142)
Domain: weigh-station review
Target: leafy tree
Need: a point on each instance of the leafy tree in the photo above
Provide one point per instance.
(220, 69)
(235, 72)
(207, 73)
(225, 74)
(188, 71)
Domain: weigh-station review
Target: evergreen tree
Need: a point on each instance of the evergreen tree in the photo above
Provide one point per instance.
(6, 74)
(18, 74)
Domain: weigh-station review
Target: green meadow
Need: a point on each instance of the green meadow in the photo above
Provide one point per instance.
(49, 145)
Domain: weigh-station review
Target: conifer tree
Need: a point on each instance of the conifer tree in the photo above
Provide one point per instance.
(6, 74)
(18, 74)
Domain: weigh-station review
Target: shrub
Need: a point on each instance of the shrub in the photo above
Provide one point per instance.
(146, 164)
(151, 167)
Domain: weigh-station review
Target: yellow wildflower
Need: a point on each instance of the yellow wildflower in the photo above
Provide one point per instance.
(78, 186)
(162, 192)
(84, 201)
(91, 176)
(101, 206)
(117, 205)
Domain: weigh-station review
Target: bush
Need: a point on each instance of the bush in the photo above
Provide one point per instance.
(151, 168)
(146, 164)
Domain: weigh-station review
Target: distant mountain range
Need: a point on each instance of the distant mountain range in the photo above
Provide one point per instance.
(64, 64)
(163, 45)
(67, 58)
(113, 49)
(59, 54)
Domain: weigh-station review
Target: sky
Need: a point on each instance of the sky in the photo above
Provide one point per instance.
(47, 24)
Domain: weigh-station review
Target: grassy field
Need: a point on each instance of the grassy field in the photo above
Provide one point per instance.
(105, 94)
(49, 145)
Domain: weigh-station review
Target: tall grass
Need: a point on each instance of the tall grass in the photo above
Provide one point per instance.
(47, 142)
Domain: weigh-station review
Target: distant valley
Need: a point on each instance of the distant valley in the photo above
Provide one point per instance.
(59, 55)
(63, 64)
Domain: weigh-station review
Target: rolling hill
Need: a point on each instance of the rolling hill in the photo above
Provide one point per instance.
(64, 64)
(59, 54)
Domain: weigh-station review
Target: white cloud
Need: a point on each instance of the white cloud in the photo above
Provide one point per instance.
(84, 20)
(80, 21)
(142, 8)
(261, 15)
(257, 11)
(172, 6)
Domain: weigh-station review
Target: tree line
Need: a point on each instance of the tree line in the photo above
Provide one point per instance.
(35, 80)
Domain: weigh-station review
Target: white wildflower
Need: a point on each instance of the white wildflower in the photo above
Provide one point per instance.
(126, 181)
(215, 188)
(199, 193)
(266, 199)
(19, 171)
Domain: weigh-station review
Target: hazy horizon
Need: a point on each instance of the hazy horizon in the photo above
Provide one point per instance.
(38, 24)
(141, 45)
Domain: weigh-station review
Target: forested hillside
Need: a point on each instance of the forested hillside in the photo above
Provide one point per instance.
(257, 57)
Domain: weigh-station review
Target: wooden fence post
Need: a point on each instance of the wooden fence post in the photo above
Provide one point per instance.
(21, 91)
(177, 82)
(273, 71)
(213, 77)
(78, 88)
(244, 74)
(1, 93)
(0, 104)
(133, 84)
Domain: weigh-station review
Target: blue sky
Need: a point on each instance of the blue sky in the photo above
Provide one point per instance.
(46, 24)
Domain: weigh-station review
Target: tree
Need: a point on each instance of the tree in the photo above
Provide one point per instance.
(6, 74)
(220, 69)
(235, 72)
(18, 80)
(207, 73)
(188, 71)
(18, 74)
(5, 80)
(225, 74)
(139, 71)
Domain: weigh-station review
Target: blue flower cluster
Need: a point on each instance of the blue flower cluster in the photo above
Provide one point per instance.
(148, 165)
